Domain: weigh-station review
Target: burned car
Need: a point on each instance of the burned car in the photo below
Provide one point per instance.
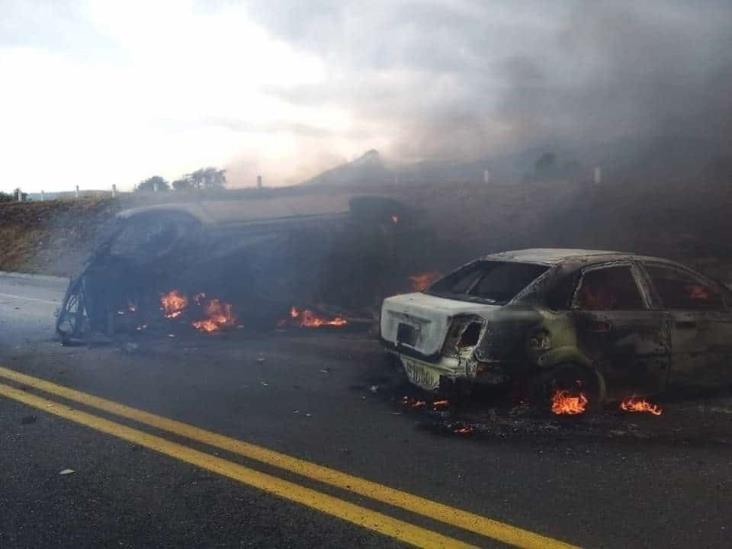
(606, 324)
(235, 263)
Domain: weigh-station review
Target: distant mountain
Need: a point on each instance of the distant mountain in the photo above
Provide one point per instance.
(367, 168)
(665, 157)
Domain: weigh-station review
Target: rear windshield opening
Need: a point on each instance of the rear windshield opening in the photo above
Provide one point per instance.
(487, 281)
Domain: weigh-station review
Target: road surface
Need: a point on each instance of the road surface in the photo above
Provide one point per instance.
(300, 439)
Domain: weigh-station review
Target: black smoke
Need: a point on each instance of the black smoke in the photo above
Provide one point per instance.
(632, 84)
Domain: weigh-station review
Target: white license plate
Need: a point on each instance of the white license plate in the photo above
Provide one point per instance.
(421, 375)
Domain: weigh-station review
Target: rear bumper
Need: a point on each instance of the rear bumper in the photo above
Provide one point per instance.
(403, 350)
(446, 374)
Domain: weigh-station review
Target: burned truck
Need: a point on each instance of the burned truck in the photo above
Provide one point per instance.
(236, 263)
(597, 325)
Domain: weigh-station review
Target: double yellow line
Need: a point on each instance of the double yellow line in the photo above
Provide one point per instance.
(331, 505)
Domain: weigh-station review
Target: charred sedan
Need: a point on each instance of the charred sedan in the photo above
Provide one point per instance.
(606, 324)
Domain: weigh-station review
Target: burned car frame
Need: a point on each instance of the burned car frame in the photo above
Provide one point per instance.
(258, 258)
(607, 323)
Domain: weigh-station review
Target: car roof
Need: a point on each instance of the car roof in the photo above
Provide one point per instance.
(554, 256)
(221, 212)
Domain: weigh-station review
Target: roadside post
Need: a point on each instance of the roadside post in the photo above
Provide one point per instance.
(597, 175)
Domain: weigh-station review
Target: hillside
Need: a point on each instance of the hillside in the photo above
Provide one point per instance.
(50, 237)
(688, 222)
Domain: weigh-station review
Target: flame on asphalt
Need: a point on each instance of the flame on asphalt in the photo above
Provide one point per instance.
(173, 303)
(639, 405)
(566, 403)
(218, 313)
(306, 318)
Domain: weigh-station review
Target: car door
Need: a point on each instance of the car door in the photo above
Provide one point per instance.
(700, 323)
(619, 330)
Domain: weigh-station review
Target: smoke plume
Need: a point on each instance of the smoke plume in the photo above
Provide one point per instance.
(463, 80)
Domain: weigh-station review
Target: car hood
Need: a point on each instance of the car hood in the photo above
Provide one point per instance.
(429, 315)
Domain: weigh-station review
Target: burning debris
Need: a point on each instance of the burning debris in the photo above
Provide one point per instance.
(422, 281)
(410, 402)
(461, 428)
(306, 318)
(218, 315)
(639, 405)
(173, 303)
(415, 403)
(565, 403)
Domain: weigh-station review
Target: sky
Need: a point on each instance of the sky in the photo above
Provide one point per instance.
(98, 92)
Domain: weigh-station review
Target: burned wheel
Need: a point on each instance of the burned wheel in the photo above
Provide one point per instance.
(567, 389)
(72, 321)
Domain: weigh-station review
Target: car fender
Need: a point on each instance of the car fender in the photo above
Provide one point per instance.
(562, 355)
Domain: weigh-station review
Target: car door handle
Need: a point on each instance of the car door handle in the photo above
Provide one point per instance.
(685, 324)
(599, 326)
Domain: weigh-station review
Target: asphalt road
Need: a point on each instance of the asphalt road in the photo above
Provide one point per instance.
(318, 450)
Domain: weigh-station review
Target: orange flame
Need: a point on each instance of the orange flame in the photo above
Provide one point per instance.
(218, 315)
(413, 402)
(634, 404)
(422, 281)
(308, 319)
(464, 429)
(565, 403)
(173, 303)
(440, 404)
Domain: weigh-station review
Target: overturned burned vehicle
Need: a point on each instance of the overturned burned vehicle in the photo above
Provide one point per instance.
(603, 324)
(235, 263)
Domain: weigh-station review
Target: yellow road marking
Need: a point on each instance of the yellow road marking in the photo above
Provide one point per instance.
(361, 516)
(437, 511)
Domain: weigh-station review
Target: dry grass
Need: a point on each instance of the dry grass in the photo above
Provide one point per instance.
(50, 237)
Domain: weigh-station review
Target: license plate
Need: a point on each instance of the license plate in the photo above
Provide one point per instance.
(421, 375)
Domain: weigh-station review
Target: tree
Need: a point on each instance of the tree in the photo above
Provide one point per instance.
(6, 197)
(182, 184)
(154, 183)
(207, 178)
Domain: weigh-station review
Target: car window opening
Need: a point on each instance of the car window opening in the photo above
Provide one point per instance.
(487, 281)
(679, 290)
(608, 289)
